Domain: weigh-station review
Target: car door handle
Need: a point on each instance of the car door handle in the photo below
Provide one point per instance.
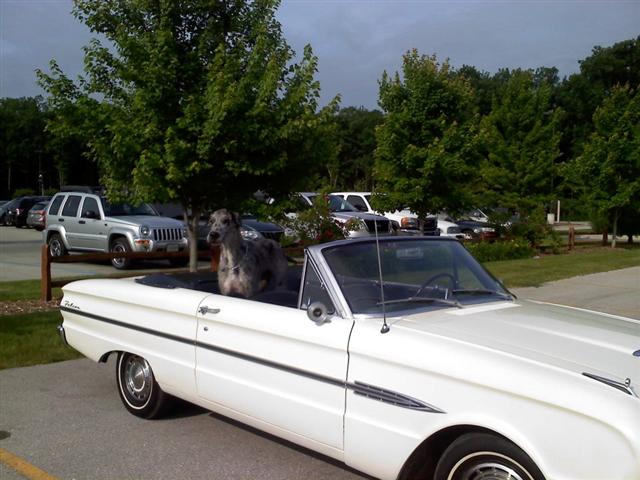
(61, 219)
(82, 222)
(204, 310)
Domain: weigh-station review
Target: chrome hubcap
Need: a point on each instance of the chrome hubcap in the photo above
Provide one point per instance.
(118, 248)
(491, 471)
(137, 378)
(55, 249)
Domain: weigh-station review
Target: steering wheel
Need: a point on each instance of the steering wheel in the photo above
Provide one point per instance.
(431, 279)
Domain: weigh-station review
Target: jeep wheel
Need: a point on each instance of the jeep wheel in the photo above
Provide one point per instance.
(56, 246)
(120, 245)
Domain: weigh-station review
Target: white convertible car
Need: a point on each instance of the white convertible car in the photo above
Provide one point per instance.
(403, 358)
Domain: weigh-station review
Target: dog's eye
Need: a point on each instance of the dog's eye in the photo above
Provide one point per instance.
(226, 221)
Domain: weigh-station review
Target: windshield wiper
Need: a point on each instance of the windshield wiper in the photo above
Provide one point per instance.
(453, 303)
(481, 291)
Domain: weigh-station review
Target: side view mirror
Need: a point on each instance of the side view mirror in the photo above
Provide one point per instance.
(361, 208)
(317, 313)
(91, 214)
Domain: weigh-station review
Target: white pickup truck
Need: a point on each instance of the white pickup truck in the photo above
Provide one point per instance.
(403, 221)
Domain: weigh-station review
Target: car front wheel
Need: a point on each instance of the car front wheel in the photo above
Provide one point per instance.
(481, 456)
(138, 389)
(120, 245)
(56, 246)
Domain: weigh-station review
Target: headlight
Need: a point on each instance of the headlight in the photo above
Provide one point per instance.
(477, 230)
(249, 233)
(185, 233)
(409, 222)
(144, 230)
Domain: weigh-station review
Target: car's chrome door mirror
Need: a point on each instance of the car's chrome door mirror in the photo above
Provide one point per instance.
(317, 313)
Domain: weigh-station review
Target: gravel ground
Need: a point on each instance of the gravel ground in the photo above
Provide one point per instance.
(17, 307)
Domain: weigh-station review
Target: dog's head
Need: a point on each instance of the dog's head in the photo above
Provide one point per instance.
(221, 222)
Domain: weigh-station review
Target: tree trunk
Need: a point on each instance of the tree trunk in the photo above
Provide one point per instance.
(629, 238)
(605, 237)
(192, 232)
(615, 228)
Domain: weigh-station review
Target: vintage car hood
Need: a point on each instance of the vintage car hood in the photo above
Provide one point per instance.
(563, 337)
(150, 221)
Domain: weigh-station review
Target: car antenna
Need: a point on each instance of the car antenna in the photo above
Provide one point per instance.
(385, 326)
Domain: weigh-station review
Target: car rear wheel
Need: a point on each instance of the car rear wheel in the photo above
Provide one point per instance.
(120, 245)
(138, 389)
(56, 246)
(481, 456)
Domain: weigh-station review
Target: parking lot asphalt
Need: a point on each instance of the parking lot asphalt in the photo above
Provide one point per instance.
(67, 419)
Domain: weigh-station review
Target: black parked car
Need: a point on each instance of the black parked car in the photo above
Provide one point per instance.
(250, 229)
(4, 210)
(17, 214)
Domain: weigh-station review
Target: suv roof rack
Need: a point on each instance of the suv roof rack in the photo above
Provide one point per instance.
(82, 189)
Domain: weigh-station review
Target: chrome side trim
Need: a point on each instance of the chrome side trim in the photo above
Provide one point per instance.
(623, 387)
(359, 388)
(389, 396)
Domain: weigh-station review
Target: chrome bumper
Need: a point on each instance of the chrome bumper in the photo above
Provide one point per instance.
(63, 336)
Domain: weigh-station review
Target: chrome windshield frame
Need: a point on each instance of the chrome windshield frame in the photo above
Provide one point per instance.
(315, 252)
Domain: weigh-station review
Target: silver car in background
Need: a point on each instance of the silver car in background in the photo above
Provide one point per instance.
(81, 221)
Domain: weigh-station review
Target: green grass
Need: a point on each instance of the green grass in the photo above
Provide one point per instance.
(23, 290)
(32, 339)
(532, 272)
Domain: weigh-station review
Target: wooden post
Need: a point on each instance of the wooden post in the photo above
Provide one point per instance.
(572, 237)
(215, 257)
(45, 273)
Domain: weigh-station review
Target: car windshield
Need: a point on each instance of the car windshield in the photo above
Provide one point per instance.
(417, 274)
(337, 204)
(124, 209)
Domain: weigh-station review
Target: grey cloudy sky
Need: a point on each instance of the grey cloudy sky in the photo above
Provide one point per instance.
(356, 40)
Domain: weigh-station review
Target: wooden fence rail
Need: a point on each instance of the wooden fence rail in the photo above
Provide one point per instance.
(46, 283)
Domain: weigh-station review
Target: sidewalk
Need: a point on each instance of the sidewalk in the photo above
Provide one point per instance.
(616, 292)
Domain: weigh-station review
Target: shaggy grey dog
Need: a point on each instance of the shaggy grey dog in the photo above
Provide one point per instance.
(246, 267)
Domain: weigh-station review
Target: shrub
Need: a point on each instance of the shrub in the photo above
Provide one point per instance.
(533, 228)
(315, 225)
(508, 250)
(23, 192)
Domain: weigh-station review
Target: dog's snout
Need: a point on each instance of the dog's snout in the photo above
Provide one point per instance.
(213, 236)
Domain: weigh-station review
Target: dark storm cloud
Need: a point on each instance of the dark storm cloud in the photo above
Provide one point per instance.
(356, 40)
(32, 32)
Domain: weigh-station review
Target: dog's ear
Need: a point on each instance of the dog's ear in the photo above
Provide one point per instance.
(236, 218)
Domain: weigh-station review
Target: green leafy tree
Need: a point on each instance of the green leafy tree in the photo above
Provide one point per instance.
(427, 141)
(520, 139)
(22, 144)
(609, 168)
(198, 102)
(352, 166)
(582, 93)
